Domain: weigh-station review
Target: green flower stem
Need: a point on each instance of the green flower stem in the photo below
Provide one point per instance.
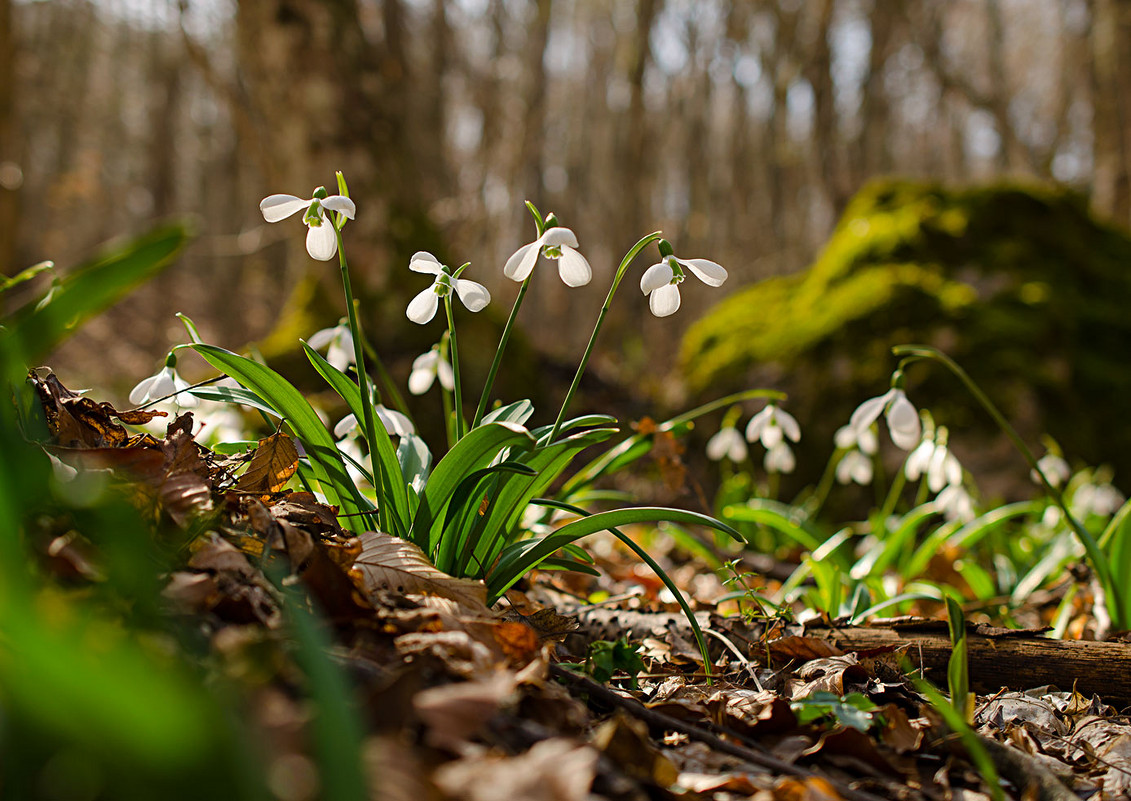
(363, 386)
(455, 365)
(909, 353)
(897, 485)
(445, 394)
(621, 270)
(503, 340)
(387, 381)
(817, 500)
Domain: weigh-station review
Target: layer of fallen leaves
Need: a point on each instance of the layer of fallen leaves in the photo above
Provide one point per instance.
(463, 701)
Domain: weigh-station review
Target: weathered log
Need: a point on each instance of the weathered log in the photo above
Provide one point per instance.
(997, 657)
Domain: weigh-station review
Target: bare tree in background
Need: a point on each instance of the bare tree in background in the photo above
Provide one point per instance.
(740, 129)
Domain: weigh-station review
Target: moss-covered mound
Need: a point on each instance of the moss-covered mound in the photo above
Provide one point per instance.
(1021, 285)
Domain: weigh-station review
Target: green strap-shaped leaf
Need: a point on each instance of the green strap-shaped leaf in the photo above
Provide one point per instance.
(392, 488)
(460, 518)
(93, 288)
(778, 516)
(473, 452)
(288, 402)
(524, 556)
(517, 412)
(238, 396)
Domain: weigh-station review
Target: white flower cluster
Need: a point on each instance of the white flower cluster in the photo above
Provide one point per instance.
(772, 427)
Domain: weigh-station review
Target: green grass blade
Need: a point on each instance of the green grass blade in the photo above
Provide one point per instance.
(524, 556)
(93, 288)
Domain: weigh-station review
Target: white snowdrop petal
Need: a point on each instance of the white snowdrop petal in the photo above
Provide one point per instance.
(772, 435)
(867, 441)
(395, 423)
(340, 354)
(902, 415)
(844, 469)
(425, 361)
(322, 242)
(340, 203)
(423, 307)
(655, 277)
(573, 268)
(556, 237)
(757, 423)
(952, 470)
(140, 393)
(424, 262)
(845, 437)
(163, 384)
(862, 469)
(868, 411)
(788, 424)
(919, 459)
(664, 301)
(521, 262)
(420, 380)
(280, 207)
(446, 375)
(474, 296)
(706, 271)
(718, 445)
(345, 426)
(320, 339)
(780, 459)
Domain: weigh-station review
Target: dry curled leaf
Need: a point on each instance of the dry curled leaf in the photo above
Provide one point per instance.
(274, 462)
(391, 564)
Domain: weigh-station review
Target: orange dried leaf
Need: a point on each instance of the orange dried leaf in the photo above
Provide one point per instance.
(275, 461)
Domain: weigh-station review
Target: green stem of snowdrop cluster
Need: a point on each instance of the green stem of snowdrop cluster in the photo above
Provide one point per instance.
(625, 262)
(910, 353)
(503, 340)
(363, 382)
(455, 366)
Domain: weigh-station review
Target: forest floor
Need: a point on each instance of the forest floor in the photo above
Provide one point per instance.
(550, 696)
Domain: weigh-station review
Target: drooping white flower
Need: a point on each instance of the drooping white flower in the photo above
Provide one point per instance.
(338, 340)
(854, 466)
(847, 438)
(780, 458)
(932, 458)
(1054, 467)
(902, 419)
(164, 383)
(1094, 498)
(322, 237)
(726, 443)
(395, 423)
(955, 503)
(770, 425)
(423, 307)
(426, 368)
(555, 243)
(661, 281)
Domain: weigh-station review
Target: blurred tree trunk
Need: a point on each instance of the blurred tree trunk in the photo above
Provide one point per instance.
(327, 90)
(1111, 83)
(10, 179)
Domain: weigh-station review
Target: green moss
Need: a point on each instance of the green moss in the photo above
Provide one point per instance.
(1020, 284)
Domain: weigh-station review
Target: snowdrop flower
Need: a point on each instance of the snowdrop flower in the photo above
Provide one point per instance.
(322, 236)
(426, 368)
(771, 425)
(423, 307)
(661, 281)
(164, 383)
(903, 420)
(728, 443)
(1054, 467)
(955, 503)
(222, 424)
(395, 423)
(1096, 499)
(854, 466)
(859, 446)
(780, 458)
(932, 458)
(555, 243)
(338, 340)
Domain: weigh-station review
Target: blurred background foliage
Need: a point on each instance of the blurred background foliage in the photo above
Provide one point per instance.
(742, 129)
